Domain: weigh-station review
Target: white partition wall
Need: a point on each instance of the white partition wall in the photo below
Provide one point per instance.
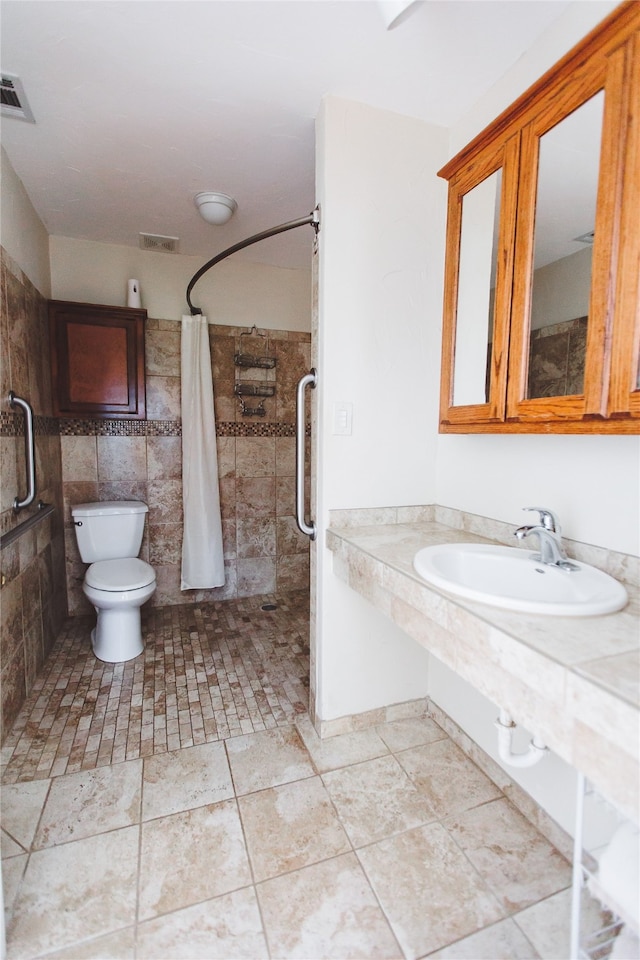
(380, 294)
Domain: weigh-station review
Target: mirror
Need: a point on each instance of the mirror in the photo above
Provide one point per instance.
(568, 168)
(476, 287)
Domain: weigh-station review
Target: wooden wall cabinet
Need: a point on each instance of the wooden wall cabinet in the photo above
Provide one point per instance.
(541, 330)
(97, 360)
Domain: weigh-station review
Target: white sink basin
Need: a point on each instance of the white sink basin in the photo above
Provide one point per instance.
(508, 577)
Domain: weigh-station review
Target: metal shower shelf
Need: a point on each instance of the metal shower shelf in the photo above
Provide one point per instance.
(246, 360)
(253, 390)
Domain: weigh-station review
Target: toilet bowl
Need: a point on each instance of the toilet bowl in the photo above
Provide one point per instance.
(117, 589)
(117, 582)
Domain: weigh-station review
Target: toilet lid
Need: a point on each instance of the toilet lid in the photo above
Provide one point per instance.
(119, 575)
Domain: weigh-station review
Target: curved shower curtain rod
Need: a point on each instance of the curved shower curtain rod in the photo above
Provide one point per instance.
(313, 219)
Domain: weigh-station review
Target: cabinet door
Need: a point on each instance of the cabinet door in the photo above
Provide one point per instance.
(479, 267)
(560, 295)
(566, 300)
(97, 359)
(624, 394)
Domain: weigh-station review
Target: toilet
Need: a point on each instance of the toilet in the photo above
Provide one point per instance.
(117, 583)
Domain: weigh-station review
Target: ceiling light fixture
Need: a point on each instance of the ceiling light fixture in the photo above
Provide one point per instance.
(395, 12)
(216, 208)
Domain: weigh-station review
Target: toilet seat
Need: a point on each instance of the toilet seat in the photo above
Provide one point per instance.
(118, 576)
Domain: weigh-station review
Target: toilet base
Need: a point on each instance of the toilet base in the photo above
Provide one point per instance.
(117, 636)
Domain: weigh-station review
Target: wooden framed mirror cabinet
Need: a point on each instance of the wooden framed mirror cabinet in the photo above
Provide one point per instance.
(541, 325)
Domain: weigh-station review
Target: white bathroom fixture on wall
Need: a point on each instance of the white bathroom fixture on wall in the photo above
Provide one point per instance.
(134, 298)
(395, 12)
(117, 583)
(215, 208)
(515, 579)
(532, 755)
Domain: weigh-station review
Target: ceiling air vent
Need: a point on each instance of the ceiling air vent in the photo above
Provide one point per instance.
(14, 100)
(149, 241)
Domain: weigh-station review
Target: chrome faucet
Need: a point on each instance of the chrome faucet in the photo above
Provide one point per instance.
(550, 536)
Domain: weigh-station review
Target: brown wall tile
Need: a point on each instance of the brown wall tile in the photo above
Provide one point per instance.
(226, 456)
(14, 689)
(121, 458)
(80, 457)
(32, 608)
(285, 496)
(229, 533)
(256, 576)
(163, 398)
(33, 600)
(162, 352)
(164, 458)
(165, 501)
(293, 572)
(255, 497)
(290, 539)
(8, 471)
(11, 633)
(165, 543)
(286, 456)
(77, 492)
(122, 490)
(256, 538)
(255, 456)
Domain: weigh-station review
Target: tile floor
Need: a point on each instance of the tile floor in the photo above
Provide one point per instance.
(268, 843)
(208, 672)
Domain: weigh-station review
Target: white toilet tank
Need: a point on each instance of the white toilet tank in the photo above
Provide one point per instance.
(110, 530)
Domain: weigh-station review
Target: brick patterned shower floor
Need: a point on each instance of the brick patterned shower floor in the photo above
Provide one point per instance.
(208, 672)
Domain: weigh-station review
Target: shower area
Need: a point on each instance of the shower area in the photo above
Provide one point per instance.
(218, 662)
(142, 460)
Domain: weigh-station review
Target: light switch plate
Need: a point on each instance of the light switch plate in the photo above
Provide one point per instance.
(342, 418)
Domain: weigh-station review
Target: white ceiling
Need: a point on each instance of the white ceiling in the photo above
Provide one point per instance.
(140, 104)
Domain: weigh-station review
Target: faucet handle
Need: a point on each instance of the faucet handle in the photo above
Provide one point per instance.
(548, 519)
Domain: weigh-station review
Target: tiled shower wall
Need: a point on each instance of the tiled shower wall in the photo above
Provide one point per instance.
(557, 359)
(32, 595)
(108, 459)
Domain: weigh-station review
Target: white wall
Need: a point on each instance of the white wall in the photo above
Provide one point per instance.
(22, 233)
(380, 294)
(561, 290)
(571, 26)
(592, 483)
(229, 293)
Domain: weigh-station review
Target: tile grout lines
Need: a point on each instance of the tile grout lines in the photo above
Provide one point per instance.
(209, 671)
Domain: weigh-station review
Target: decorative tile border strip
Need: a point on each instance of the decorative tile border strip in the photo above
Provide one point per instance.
(120, 428)
(233, 429)
(46, 426)
(70, 427)
(164, 428)
(11, 426)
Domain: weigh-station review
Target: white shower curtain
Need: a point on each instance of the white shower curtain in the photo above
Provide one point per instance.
(202, 553)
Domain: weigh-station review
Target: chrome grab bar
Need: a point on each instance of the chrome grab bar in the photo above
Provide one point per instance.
(44, 510)
(14, 401)
(309, 380)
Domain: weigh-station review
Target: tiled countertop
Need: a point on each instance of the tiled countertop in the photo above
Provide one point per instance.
(573, 680)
